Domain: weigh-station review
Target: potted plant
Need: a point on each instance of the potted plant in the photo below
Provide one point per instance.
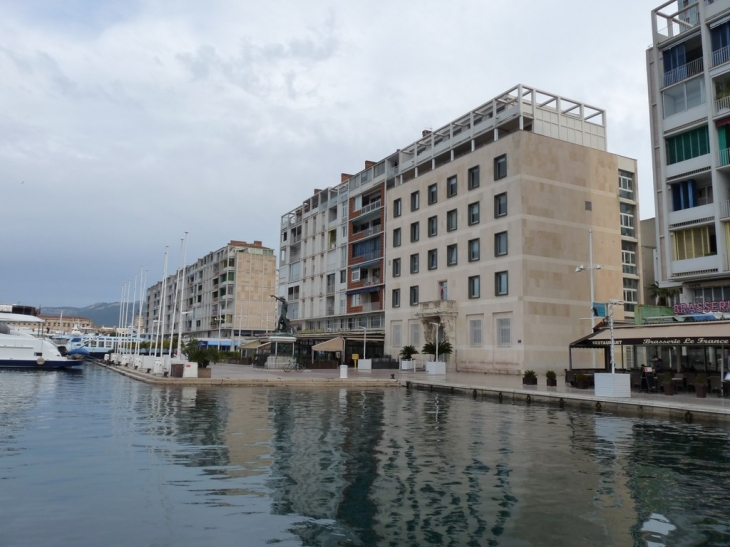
(201, 355)
(529, 378)
(406, 354)
(581, 381)
(701, 386)
(668, 384)
(437, 366)
(552, 378)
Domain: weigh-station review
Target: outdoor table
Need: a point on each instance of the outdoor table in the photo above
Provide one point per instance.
(679, 382)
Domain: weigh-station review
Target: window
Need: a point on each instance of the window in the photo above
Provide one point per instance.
(433, 196)
(451, 218)
(474, 178)
(413, 295)
(627, 219)
(475, 332)
(356, 274)
(694, 243)
(500, 167)
(415, 201)
(343, 276)
(500, 244)
(501, 283)
(414, 263)
(396, 267)
(433, 226)
(396, 335)
(684, 96)
(395, 298)
(396, 237)
(433, 259)
(451, 187)
(355, 300)
(474, 290)
(688, 145)
(628, 257)
(357, 205)
(473, 213)
(415, 231)
(687, 194)
(397, 207)
(500, 205)
(504, 332)
(452, 255)
(631, 291)
(625, 185)
(415, 331)
(473, 250)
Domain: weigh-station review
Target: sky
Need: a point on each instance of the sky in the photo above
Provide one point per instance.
(126, 123)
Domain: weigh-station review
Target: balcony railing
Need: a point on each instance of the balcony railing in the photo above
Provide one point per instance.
(724, 158)
(369, 255)
(721, 56)
(330, 288)
(371, 207)
(367, 281)
(722, 104)
(372, 306)
(330, 310)
(683, 72)
(370, 231)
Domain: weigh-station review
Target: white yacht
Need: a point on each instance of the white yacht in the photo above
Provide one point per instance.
(20, 348)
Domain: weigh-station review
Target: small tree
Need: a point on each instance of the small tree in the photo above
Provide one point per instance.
(408, 352)
(662, 295)
(444, 348)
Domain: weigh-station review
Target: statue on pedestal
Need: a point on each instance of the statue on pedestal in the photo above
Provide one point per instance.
(283, 324)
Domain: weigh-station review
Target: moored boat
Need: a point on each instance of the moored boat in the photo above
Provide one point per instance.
(20, 348)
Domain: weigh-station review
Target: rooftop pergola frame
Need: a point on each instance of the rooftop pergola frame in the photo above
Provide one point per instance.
(669, 20)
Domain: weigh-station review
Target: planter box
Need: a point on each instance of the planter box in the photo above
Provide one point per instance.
(668, 388)
(529, 381)
(612, 385)
(204, 372)
(701, 390)
(552, 383)
(365, 364)
(435, 367)
(408, 364)
(190, 370)
(177, 370)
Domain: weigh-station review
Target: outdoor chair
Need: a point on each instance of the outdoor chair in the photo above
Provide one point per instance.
(690, 383)
(680, 382)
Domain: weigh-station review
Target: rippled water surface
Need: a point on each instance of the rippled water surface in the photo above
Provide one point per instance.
(93, 458)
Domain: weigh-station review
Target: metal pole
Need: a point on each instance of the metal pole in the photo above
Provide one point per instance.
(610, 326)
(364, 341)
(593, 319)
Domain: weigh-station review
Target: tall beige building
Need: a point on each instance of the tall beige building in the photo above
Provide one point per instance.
(487, 221)
(227, 295)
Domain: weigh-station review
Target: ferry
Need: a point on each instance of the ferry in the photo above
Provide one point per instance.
(20, 348)
(82, 345)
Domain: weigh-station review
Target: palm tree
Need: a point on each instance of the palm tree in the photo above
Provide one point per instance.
(662, 295)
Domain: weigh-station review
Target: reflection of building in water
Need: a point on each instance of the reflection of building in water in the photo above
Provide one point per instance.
(248, 434)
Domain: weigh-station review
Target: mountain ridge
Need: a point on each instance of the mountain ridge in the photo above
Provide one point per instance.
(102, 314)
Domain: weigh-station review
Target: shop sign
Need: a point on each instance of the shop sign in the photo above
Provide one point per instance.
(701, 307)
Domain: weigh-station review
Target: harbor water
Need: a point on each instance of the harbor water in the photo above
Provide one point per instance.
(94, 458)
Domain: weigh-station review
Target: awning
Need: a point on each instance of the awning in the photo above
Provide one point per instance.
(253, 344)
(370, 288)
(335, 344)
(715, 333)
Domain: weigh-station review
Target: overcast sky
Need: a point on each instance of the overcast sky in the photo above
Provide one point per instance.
(125, 123)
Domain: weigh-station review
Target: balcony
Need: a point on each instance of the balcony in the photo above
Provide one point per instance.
(670, 21)
(721, 56)
(330, 310)
(371, 207)
(372, 306)
(722, 106)
(691, 215)
(683, 72)
(330, 288)
(725, 209)
(371, 255)
(368, 281)
(724, 157)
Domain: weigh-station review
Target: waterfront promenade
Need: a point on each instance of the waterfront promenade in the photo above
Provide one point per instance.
(503, 388)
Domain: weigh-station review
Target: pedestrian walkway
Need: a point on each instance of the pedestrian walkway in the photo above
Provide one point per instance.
(504, 388)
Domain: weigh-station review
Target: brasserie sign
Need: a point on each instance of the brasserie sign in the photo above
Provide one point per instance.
(701, 307)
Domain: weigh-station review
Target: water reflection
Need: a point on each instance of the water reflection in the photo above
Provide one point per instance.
(256, 466)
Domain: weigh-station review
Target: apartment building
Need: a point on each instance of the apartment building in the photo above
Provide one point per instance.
(331, 259)
(227, 295)
(688, 67)
(488, 218)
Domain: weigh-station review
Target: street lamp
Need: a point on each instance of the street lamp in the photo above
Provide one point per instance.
(437, 325)
(364, 340)
(591, 268)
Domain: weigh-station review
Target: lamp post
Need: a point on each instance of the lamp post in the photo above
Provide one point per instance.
(364, 340)
(591, 267)
(437, 325)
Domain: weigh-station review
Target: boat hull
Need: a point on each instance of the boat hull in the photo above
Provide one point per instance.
(33, 363)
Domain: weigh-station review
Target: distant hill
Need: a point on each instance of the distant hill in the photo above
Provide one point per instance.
(103, 314)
